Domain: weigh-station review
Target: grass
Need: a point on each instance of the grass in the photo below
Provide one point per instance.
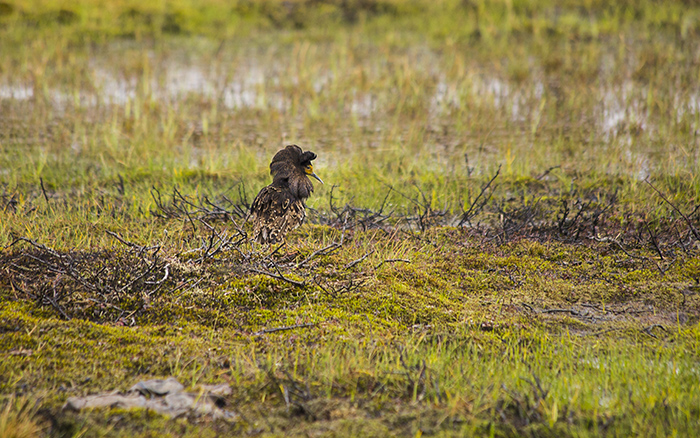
(509, 216)
(17, 419)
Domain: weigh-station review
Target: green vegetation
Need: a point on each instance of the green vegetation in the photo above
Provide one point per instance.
(507, 242)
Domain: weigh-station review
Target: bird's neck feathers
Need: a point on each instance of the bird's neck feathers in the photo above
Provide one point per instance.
(299, 186)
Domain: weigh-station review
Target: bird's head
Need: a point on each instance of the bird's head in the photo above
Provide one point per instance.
(309, 168)
(294, 165)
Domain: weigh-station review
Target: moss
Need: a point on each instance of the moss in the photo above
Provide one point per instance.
(691, 269)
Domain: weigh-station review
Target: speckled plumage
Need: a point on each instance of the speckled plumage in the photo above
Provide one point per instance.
(279, 208)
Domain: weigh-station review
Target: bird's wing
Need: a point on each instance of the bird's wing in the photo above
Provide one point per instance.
(275, 212)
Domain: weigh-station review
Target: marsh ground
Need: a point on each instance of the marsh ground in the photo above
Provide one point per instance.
(507, 243)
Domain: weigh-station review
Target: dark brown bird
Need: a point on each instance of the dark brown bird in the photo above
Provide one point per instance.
(279, 207)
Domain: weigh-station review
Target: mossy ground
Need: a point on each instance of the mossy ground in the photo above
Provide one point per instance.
(507, 244)
(530, 337)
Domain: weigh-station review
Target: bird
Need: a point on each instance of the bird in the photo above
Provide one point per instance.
(279, 208)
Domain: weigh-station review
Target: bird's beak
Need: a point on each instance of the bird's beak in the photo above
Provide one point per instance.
(310, 171)
(316, 176)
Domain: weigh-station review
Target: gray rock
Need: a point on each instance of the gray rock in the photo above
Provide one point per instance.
(112, 400)
(158, 387)
(166, 397)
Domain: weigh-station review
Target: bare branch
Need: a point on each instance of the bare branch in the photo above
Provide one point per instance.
(280, 329)
(278, 277)
(358, 261)
(467, 214)
(648, 330)
(391, 261)
(686, 218)
(43, 190)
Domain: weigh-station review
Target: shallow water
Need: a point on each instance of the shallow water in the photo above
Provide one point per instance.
(480, 109)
